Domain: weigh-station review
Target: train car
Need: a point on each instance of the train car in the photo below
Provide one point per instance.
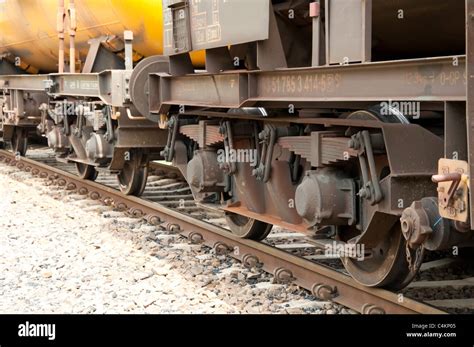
(344, 119)
(69, 74)
(348, 120)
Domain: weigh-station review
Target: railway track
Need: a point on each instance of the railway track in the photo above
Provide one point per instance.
(290, 257)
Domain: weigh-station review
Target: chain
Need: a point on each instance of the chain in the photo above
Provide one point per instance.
(414, 264)
(408, 250)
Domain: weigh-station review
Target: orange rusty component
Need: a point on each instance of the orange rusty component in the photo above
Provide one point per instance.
(29, 29)
(453, 189)
(455, 176)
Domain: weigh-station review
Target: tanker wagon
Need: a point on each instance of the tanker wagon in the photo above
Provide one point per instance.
(69, 71)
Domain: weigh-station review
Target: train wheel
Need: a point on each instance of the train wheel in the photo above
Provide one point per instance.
(134, 175)
(19, 142)
(86, 172)
(375, 113)
(387, 266)
(247, 228)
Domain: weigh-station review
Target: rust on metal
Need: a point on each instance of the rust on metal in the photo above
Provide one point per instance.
(153, 220)
(173, 227)
(222, 249)
(324, 292)
(250, 261)
(196, 238)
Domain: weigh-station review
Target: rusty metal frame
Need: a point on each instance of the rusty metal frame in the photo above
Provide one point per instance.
(455, 131)
(109, 86)
(100, 59)
(364, 51)
(424, 80)
(23, 82)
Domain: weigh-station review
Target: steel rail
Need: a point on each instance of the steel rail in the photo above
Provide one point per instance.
(323, 282)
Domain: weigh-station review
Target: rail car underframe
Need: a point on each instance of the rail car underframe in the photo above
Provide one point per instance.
(365, 179)
(413, 152)
(109, 88)
(443, 82)
(430, 81)
(423, 80)
(316, 119)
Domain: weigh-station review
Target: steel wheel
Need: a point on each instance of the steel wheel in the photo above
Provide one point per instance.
(134, 175)
(86, 172)
(375, 114)
(387, 267)
(19, 142)
(247, 228)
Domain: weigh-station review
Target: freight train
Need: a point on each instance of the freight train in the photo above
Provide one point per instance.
(348, 120)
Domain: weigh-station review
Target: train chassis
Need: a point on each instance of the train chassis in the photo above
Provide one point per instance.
(87, 118)
(344, 183)
(276, 134)
(320, 145)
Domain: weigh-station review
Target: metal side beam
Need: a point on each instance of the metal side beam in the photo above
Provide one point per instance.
(425, 80)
